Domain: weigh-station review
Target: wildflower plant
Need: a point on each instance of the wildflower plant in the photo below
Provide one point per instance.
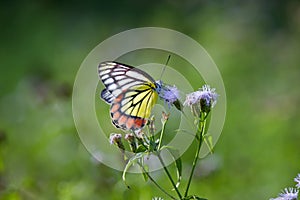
(142, 143)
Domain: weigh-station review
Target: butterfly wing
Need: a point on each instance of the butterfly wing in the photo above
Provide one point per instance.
(131, 93)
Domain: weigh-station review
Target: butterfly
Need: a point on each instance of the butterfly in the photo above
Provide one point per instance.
(131, 92)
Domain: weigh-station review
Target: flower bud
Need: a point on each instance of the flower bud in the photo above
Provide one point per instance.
(151, 125)
(165, 117)
(131, 140)
(116, 138)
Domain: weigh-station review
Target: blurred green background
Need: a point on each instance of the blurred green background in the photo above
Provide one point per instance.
(256, 45)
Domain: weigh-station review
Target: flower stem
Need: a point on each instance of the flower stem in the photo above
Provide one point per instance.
(199, 137)
(169, 175)
(161, 134)
(155, 183)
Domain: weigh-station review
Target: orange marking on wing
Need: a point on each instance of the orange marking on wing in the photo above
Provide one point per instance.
(122, 120)
(119, 98)
(139, 123)
(115, 108)
(130, 123)
(116, 115)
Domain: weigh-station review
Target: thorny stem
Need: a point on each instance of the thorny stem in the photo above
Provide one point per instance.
(199, 137)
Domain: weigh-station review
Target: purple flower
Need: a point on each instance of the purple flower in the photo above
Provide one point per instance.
(201, 100)
(288, 194)
(206, 94)
(170, 94)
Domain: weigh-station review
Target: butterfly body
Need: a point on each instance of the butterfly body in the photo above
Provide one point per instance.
(131, 92)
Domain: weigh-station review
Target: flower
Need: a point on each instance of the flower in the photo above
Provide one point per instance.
(157, 198)
(115, 138)
(192, 98)
(201, 100)
(139, 133)
(165, 117)
(170, 94)
(132, 141)
(151, 125)
(297, 180)
(289, 194)
(129, 137)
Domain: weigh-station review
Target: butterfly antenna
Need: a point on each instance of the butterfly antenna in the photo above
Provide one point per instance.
(163, 70)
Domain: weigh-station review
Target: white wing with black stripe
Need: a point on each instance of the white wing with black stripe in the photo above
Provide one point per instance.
(119, 77)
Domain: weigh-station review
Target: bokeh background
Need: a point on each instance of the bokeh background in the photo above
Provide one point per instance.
(256, 45)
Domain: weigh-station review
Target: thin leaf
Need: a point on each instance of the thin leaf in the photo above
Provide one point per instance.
(178, 163)
(140, 149)
(209, 142)
(152, 145)
(130, 163)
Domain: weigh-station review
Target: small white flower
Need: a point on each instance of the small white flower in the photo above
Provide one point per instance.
(297, 180)
(289, 194)
(157, 198)
(115, 138)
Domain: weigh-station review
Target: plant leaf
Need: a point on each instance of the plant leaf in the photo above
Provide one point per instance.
(209, 142)
(140, 149)
(152, 145)
(178, 163)
(133, 160)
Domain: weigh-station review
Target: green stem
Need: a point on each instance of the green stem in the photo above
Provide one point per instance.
(200, 137)
(169, 175)
(162, 161)
(161, 135)
(155, 183)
